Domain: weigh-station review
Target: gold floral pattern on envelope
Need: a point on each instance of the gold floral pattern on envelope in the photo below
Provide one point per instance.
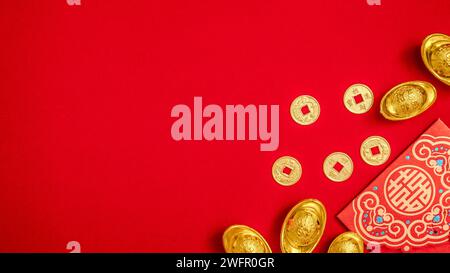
(408, 205)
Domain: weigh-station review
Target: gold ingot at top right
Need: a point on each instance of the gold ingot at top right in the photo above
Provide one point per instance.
(408, 100)
(436, 56)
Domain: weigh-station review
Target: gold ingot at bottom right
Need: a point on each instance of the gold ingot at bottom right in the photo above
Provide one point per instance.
(348, 242)
(303, 227)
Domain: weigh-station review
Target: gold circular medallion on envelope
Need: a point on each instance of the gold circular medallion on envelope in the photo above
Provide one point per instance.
(305, 110)
(244, 239)
(338, 167)
(286, 171)
(375, 150)
(358, 98)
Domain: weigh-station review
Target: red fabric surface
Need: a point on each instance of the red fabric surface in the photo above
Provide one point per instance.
(85, 97)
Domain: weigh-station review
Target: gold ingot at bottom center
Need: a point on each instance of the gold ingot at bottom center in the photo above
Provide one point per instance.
(244, 239)
(303, 227)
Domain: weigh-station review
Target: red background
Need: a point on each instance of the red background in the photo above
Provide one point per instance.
(86, 92)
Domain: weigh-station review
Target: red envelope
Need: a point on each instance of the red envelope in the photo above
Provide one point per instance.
(407, 207)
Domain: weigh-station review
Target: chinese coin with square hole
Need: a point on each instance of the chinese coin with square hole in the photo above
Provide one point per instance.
(358, 98)
(305, 110)
(338, 167)
(286, 171)
(375, 150)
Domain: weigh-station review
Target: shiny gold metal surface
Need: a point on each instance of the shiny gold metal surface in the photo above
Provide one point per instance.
(305, 110)
(358, 98)
(244, 239)
(303, 227)
(375, 150)
(408, 100)
(338, 167)
(286, 171)
(436, 56)
(348, 242)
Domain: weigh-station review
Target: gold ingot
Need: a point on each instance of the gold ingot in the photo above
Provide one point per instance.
(244, 239)
(408, 100)
(375, 150)
(303, 227)
(338, 167)
(436, 56)
(358, 98)
(347, 242)
(305, 110)
(286, 171)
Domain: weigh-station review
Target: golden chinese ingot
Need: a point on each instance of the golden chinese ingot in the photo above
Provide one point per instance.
(375, 150)
(436, 56)
(358, 98)
(408, 100)
(338, 167)
(303, 227)
(347, 242)
(244, 239)
(305, 110)
(286, 171)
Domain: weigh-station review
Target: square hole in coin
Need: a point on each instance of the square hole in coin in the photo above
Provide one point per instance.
(358, 99)
(338, 167)
(375, 150)
(305, 110)
(287, 170)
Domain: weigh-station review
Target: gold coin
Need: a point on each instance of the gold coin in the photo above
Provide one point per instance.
(338, 167)
(436, 56)
(347, 242)
(375, 150)
(303, 227)
(408, 100)
(244, 239)
(286, 171)
(305, 110)
(358, 99)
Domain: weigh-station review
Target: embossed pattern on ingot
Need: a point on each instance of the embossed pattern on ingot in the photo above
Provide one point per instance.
(303, 227)
(244, 239)
(305, 110)
(338, 167)
(286, 171)
(375, 150)
(358, 98)
(408, 100)
(440, 61)
(409, 190)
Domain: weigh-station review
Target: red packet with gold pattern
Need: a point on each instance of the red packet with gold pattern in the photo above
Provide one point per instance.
(407, 207)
